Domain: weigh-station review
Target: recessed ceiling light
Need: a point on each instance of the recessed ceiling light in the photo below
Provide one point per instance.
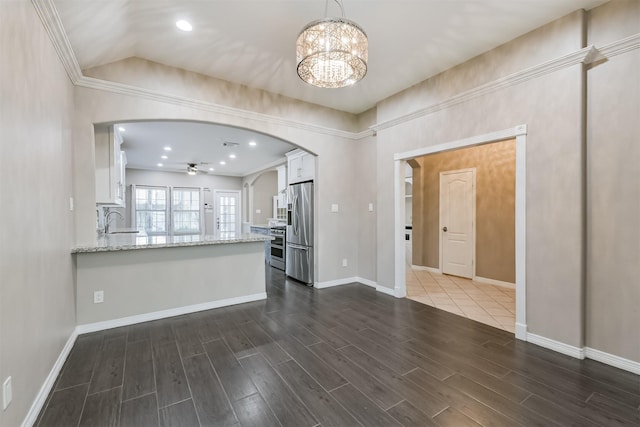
(232, 156)
(184, 25)
(253, 143)
(222, 162)
(121, 129)
(164, 157)
(160, 165)
(211, 169)
(167, 148)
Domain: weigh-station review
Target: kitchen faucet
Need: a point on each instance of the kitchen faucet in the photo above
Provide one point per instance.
(107, 221)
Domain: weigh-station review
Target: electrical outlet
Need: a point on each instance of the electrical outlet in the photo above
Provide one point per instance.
(370, 207)
(335, 207)
(258, 211)
(98, 297)
(7, 393)
(344, 262)
(70, 204)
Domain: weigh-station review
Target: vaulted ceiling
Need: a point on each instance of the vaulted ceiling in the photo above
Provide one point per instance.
(252, 42)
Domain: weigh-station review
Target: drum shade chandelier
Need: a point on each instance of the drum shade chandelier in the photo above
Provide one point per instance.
(332, 52)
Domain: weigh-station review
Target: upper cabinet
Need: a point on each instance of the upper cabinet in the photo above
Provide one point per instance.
(301, 166)
(110, 166)
(282, 178)
(281, 197)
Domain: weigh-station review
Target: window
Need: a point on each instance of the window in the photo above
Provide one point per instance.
(185, 210)
(166, 210)
(151, 209)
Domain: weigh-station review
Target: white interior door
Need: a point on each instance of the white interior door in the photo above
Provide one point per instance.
(226, 213)
(457, 218)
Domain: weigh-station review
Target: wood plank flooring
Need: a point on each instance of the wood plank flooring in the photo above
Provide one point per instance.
(343, 356)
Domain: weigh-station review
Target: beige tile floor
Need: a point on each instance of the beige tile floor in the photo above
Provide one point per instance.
(490, 304)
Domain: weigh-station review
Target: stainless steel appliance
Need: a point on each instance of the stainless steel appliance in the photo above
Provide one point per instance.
(299, 252)
(277, 246)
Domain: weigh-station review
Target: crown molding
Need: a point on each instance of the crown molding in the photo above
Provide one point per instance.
(128, 90)
(53, 25)
(616, 48)
(525, 75)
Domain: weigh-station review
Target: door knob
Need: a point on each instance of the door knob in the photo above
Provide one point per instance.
(444, 229)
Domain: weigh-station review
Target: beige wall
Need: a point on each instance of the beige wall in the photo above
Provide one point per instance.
(365, 194)
(264, 188)
(495, 207)
(151, 75)
(37, 313)
(613, 189)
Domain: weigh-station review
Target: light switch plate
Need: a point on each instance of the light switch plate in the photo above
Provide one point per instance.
(98, 297)
(334, 207)
(370, 207)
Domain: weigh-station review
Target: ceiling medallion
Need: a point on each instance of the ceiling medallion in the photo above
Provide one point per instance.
(332, 52)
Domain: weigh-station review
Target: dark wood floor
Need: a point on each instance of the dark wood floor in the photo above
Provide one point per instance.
(344, 356)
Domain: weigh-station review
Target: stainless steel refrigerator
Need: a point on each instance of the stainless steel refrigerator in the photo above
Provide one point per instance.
(299, 252)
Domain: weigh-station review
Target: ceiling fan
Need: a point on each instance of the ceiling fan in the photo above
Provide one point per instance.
(192, 168)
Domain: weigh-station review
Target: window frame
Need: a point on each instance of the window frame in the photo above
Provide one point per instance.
(172, 222)
(135, 210)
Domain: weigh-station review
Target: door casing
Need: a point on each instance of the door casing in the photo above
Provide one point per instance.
(518, 132)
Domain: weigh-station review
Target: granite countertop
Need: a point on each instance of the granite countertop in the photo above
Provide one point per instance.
(125, 242)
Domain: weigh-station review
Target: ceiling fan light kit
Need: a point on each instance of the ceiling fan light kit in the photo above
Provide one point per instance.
(332, 52)
(192, 169)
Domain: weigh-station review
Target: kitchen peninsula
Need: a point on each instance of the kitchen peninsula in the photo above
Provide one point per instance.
(141, 278)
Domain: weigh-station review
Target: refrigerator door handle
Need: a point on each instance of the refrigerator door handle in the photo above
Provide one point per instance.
(296, 214)
(292, 246)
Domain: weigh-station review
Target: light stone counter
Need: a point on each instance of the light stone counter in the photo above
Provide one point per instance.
(131, 241)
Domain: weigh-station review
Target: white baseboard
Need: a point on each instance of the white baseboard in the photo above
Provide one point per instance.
(361, 280)
(521, 331)
(495, 282)
(337, 282)
(131, 320)
(613, 360)
(385, 290)
(49, 382)
(554, 345)
(429, 269)
(367, 282)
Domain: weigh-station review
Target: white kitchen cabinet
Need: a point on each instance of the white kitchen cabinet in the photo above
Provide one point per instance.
(282, 178)
(281, 198)
(301, 166)
(110, 166)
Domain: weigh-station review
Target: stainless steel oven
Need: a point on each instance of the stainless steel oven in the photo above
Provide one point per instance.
(278, 255)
